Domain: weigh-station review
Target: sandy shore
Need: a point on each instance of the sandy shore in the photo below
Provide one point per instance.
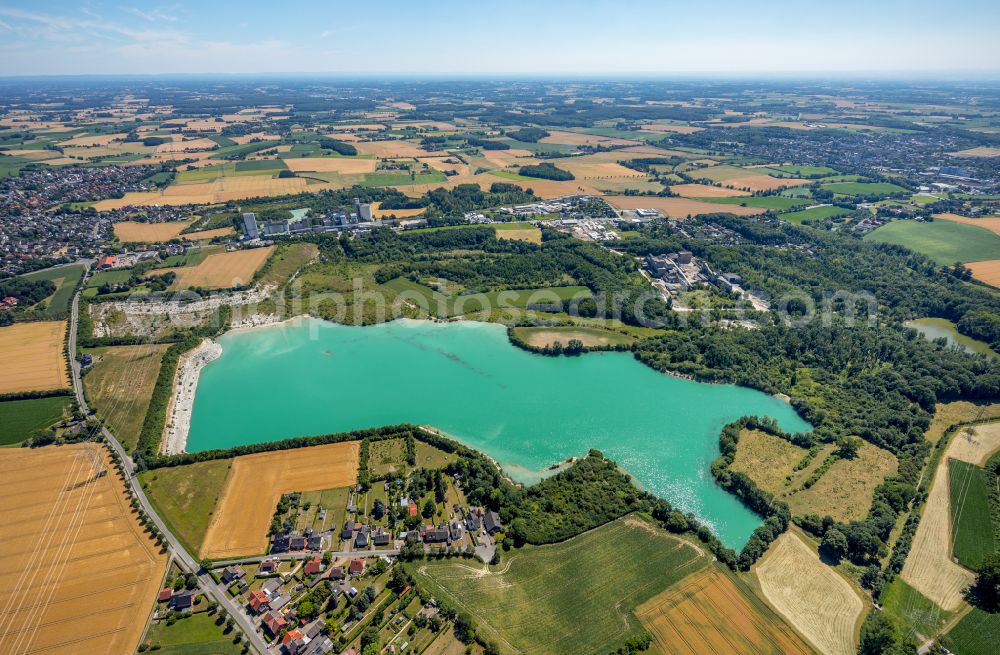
(182, 403)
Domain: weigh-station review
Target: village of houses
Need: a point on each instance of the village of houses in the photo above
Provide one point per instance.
(328, 576)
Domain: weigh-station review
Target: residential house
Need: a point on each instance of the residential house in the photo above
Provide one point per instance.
(455, 530)
(434, 535)
(165, 595)
(267, 568)
(315, 541)
(348, 531)
(279, 543)
(313, 566)
(357, 566)
(231, 574)
(259, 601)
(380, 537)
(296, 542)
(274, 623)
(337, 573)
(361, 540)
(472, 522)
(492, 522)
(182, 601)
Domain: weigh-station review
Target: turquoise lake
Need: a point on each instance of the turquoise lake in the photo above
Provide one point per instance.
(526, 411)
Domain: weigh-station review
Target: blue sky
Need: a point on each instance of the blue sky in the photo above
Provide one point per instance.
(515, 36)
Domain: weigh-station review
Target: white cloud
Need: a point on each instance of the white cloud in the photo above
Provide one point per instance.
(151, 16)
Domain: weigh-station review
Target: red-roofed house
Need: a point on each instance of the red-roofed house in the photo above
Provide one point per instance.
(107, 261)
(412, 508)
(258, 600)
(292, 635)
(313, 566)
(357, 566)
(274, 623)
(165, 595)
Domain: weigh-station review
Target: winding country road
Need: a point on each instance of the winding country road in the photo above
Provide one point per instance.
(180, 554)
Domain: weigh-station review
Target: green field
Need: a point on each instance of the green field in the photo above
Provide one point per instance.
(798, 170)
(261, 166)
(942, 241)
(243, 150)
(864, 188)
(119, 276)
(767, 202)
(65, 278)
(912, 611)
(185, 497)
(574, 597)
(440, 304)
(20, 418)
(972, 526)
(196, 634)
(814, 214)
(976, 634)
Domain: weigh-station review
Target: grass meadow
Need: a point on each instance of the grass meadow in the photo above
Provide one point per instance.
(578, 596)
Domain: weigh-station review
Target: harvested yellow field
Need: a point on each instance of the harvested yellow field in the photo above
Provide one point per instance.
(669, 127)
(256, 482)
(34, 357)
(133, 232)
(814, 598)
(96, 140)
(705, 191)
(83, 574)
(959, 411)
(766, 459)
(763, 182)
(508, 158)
(221, 270)
(186, 146)
(976, 445)
(378, 212)
(344, 165)
(584, 168)
(680, 207)
(707, 612)
(62, 161)
(988, 271)
(223, 189)
(991, 223)
(929, 568)
(33, 155)
(394, 149)
(244, 139)
(530, 235)
(580, 139)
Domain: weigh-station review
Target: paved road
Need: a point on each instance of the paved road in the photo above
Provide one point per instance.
(184, 558)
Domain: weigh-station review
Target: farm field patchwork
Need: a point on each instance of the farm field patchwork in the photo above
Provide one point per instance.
(256, 482)
(929, 568)
(779, 203)
(912, 611)
(943, 241)
(86, 572)
(20, 418)
(221, 270)
(991, 223)
(712, 612)
(865, 188)
(813, 597)
(120, 385)
(573, 597)
(975, 634)
(987, 271)
(35, 357)
(344, 165)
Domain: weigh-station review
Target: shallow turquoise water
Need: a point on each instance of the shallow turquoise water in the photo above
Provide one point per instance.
(526, 411)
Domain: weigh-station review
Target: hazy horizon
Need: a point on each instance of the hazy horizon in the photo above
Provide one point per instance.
(594, 38)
